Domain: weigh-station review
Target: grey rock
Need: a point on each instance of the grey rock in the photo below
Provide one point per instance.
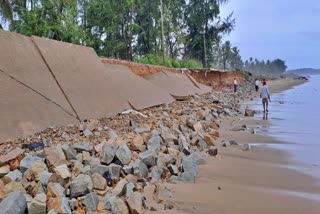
(108, 152)
(140, 169)
(249, 112)
(170, 205)
(98, 181)
(184, 145)
(114, 170)
(80, 186)
(38, 204)
(83, 146)
(141, 130)
(65, 206)
(233, 143)
(91, 201)
(124, 154)
(154, 144)
(148, 157)
(156, 174)
(72, 204)
(15, 176)
(119, 189)
(202, 144)
(14, 203)
(163, 193)
(128, 170)
(173, 169)
(246, 147)
(213, 151)
(28, 161)
(87, 133)
(69, 152)
(189, 166)
(197, 158)
(52, 211)
(129, 189)
(119, 206)
(113, 134)
(100, 169)
(135, 203)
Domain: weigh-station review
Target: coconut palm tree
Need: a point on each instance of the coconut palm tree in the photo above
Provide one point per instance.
(6, 13)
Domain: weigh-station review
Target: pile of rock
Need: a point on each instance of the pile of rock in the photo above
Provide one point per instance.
(118, 164)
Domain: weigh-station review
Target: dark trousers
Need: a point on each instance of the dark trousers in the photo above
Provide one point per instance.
(235, 88)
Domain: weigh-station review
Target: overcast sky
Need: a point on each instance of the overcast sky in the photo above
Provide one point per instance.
(289, 30)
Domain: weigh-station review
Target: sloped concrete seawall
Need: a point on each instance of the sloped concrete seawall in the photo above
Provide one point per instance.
(47, 83)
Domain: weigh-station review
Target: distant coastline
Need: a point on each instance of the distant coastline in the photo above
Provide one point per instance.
(304, 71)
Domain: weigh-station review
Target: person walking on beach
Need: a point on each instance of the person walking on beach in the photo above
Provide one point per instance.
(235, 84)
(265, 95)
(256, 84)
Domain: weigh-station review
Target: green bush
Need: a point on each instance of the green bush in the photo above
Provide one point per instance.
(153, 59)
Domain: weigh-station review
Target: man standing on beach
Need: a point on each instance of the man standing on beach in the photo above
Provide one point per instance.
(265, 95)
(256, 83)
(235, 84)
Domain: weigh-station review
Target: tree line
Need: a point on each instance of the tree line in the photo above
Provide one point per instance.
(165, 32)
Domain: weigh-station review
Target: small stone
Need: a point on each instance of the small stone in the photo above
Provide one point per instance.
(154, 144)
(119, 189)
(36, 146)
(197, 127)
(128, 170)
(11, 156)
(14, 203)
(148, 157)
(15, 176)
(98, 181)
(129, 189)
(119, 206)
(173, 169)
(249, 112)
(140, 169)
(91, 201)
(38, 204)
(4, 170)
(55, 156)
(213, 151)
(112, 134)
(233, 143)
(28, 161)
(80, 186)
(136, 143)
(135, 203)
(184, 145)
(114, 170)
(141, 130)
(163, 193)
(84, 146)
(124, 154)
(108, 152)
(170, 205)
(69, 152)
(246, 147)
(209, 140)
(87, 133)
(63, 171)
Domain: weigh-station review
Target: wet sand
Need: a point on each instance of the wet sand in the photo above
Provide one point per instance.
(262, 180)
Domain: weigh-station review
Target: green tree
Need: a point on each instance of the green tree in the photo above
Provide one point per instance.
(6, 13)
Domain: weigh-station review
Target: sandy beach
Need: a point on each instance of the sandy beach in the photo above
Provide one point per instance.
(255, 181)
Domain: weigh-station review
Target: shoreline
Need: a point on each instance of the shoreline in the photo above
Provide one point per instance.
(262, 180)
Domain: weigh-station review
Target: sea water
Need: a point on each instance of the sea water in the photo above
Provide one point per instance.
(294, 117)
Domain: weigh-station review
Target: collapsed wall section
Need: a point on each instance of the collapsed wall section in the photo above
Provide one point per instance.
(177, 84)
(139, 92)
(82, 77)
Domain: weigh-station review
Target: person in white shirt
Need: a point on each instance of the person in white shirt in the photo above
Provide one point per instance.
(235, 84)
(256, 83)
(265, 95)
